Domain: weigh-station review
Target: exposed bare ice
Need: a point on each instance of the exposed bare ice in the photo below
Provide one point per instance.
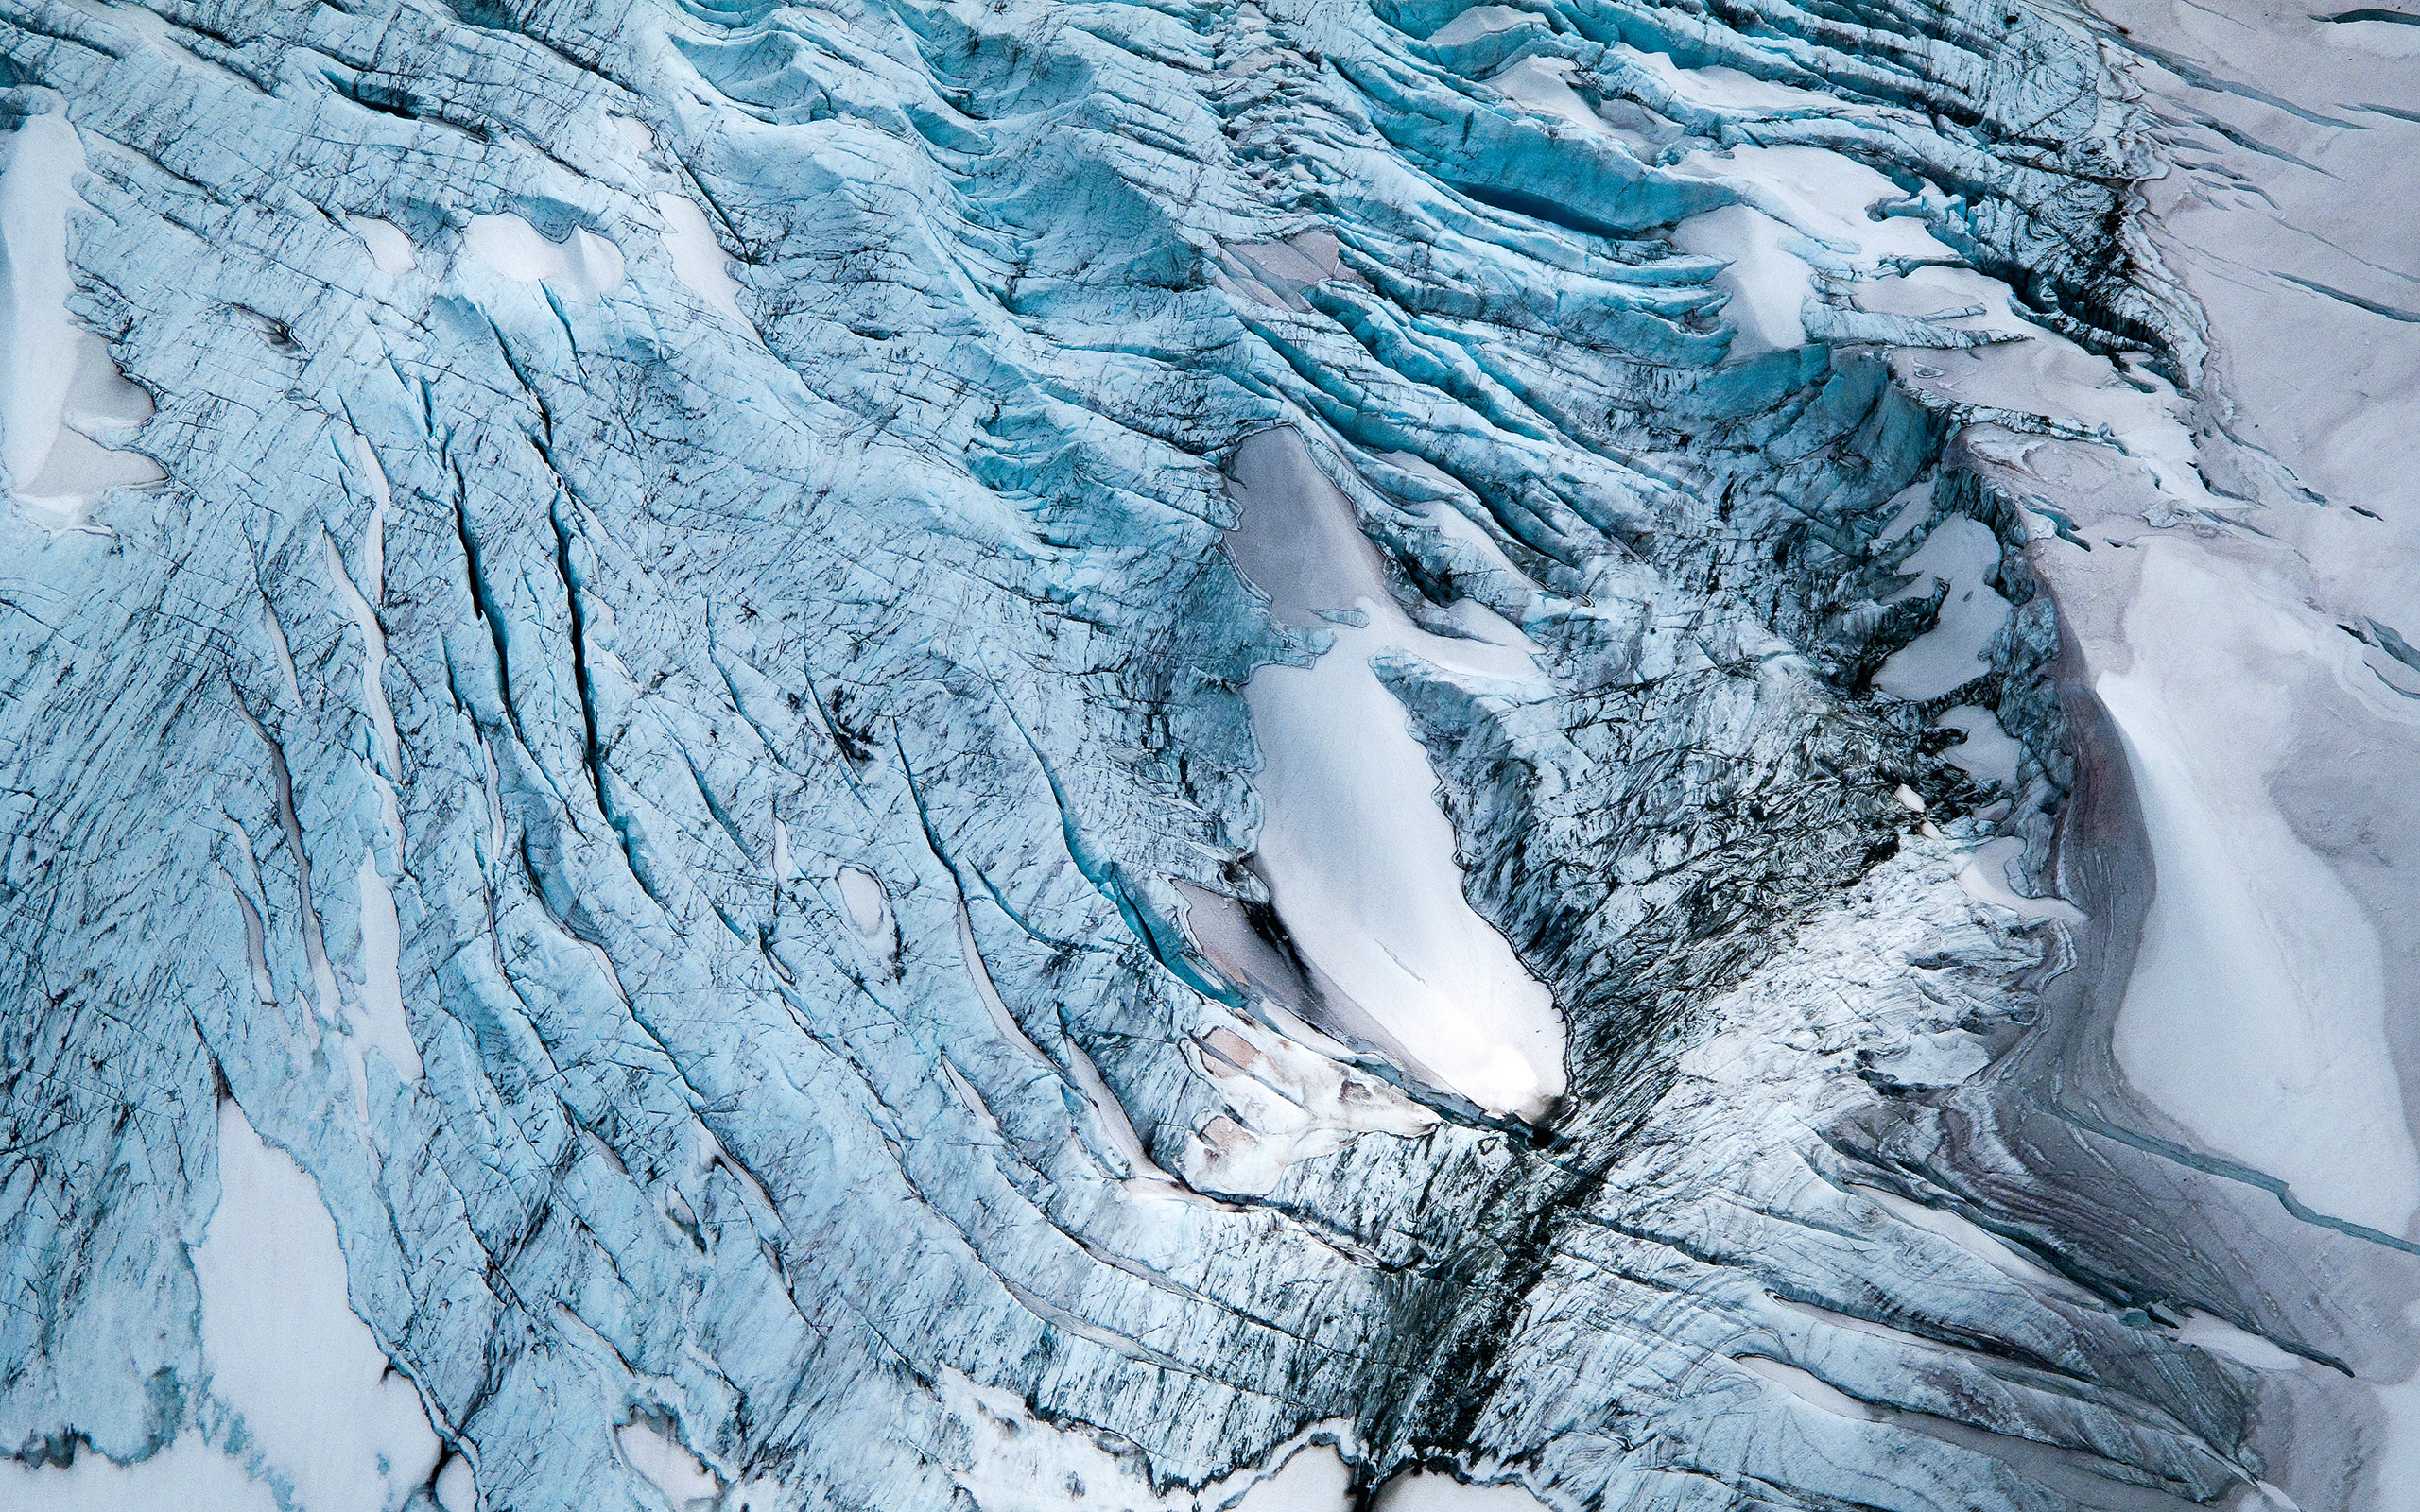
(1268, 758)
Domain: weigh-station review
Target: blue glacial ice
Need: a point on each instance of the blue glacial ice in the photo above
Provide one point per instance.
(1287, 754)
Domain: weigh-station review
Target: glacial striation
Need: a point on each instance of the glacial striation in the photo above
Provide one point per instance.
(1287, 754)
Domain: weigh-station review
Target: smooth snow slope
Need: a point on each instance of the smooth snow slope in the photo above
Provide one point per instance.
(1024, 756)
(1360, 866)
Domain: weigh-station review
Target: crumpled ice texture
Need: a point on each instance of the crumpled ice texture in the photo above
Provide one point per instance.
(778, 724)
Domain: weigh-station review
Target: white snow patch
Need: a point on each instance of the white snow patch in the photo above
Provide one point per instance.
(988, 993)
(1014, 1459)
(1803, 207)
(698, 259)
(672, 1469)
(1823, 195)
(1988, 753)
(584, 264)
(1359, 856)
(189, 1475)
(1544, 85)
(2398, 1462)
(456, 1488)
(1899, 1339)
(2256, 1012)
(1146, 1176)
(2378, 36)
(283, 1347)
(391, 250)
(381, 1020)
(1910, 507)
(640, 139)
(1281, 271)
(284, 652)
(492, 783)
(1717, 87)
(1429, 1491)
(1805, 1386)
(1289, 1102)
(255, 951)
(100, 400)
(1223, 934)
(1984, 878)
(1481, 625)
(1768, 285)
(862, 899)
(60, 384)
(1478, 21)
(1360, 863)
(373, 637)
(2045, 374)
(1959, 552)
(1315, 1479)
(79, 472)
(2220, 1336)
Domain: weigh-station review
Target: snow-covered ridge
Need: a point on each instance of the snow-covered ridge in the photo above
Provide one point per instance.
(1148, 755)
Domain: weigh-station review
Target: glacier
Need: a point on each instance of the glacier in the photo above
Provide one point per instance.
(1188, 754)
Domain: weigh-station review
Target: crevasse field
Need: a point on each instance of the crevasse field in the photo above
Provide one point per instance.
(1291, 755)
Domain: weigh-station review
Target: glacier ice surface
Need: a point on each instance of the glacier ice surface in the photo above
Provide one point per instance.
(1285, 754)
